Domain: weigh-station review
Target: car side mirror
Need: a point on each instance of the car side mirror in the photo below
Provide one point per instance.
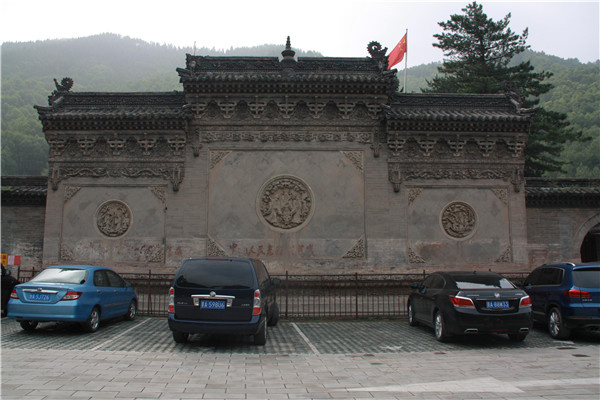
(423, 289)
(275, 281)
(414, 286)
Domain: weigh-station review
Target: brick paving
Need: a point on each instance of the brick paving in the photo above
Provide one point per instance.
(380, 359)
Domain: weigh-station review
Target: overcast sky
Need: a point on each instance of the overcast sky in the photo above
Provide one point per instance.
(336, 28)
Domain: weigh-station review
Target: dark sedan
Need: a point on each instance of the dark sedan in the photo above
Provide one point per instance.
(456, 303)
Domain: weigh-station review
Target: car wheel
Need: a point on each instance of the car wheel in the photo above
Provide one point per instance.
(439, 327)
(517, 337)
(93, 321)
(274, 315)
(260, 338)
(131, 311)
(556, 325)
(28, 325)
(180, 337)
(411, 316)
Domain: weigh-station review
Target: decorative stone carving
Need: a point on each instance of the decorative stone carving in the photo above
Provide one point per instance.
(159, 192)
(116, 145)
(86, 144)
(66, 254)
(147, 144)
(458, 220)
(216, 157)
(414, 258)
(413, 193)
(113, 218)
(70, 192)
(57, 144)
(502, 194)
(355, 157)
(177, 144)
(517, 179)
(506, 255)
(395, 175)
(358, 250)
(174, 173)
(285, 203)
(213, 249)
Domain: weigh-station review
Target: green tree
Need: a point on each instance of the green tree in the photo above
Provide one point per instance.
(478, 52)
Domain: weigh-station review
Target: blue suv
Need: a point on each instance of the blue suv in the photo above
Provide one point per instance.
(565, 296)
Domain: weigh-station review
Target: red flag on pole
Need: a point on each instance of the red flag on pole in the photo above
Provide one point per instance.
(398, 53)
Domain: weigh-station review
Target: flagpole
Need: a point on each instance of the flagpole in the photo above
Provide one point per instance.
(405, 60)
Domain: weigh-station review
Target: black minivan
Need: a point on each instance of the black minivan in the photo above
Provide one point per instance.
(223, 296)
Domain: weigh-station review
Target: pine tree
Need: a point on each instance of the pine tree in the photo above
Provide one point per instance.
(478, 52)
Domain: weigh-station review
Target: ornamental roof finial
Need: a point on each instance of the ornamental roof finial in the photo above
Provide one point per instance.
(288, 53)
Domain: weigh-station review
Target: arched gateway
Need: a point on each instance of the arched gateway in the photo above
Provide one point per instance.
(315, 165)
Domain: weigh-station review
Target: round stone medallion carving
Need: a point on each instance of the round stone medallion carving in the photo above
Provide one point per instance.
(285, 203)
(113, 218)
(458, 220)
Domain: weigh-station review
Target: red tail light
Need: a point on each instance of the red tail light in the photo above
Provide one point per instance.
(71, 296)
(525, 302)
(256, 310)
(13, 294)
(459, 301)
(171, 300)
(577, 294)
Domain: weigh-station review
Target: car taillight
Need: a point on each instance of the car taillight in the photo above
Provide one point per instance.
(13, 294)
(256, 310)
(577, 294)
(71, 296)
(171, 300)
(459, 301)
(525, 302)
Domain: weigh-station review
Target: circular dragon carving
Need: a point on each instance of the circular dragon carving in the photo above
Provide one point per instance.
(285, 202)
(113, 218)
(458, 220)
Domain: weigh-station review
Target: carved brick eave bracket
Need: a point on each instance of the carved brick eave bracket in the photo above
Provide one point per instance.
(173, 173)
(399, 172)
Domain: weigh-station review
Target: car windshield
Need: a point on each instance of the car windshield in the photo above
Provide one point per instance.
(587, 277)
(61, 275)
(216, 274)
(475, 281)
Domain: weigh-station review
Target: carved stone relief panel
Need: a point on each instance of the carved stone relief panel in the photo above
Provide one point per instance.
(113, 218)
(458, 220)
(285, 203)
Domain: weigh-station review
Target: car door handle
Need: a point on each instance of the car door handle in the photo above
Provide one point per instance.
(99, 291)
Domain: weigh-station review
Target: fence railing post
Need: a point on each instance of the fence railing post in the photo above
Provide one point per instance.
(287, 293)
(149, 305)
(356, 293)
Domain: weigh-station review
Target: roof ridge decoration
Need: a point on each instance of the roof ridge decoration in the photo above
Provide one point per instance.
(62, 88)
(377, 52)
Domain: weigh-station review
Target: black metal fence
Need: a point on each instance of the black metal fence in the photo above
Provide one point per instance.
(303, 296)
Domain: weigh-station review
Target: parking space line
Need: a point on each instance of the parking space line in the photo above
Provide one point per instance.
(306, 340)
(119, 335)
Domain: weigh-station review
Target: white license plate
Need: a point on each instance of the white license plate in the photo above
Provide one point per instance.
(38, 297)
(497, 304)
(212, 304)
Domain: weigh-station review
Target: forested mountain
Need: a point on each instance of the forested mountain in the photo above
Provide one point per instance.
(111, 62)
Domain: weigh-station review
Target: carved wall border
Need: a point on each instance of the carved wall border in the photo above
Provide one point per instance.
(502, 195)
(59, 172)
(159, 192)
(506, 256)
(413, 193)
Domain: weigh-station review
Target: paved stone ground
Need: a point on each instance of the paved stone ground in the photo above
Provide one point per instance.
(302, 359)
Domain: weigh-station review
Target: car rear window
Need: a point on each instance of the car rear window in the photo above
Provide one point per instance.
(215, 274)
(587, 277)
(482, 282)
(61, 275)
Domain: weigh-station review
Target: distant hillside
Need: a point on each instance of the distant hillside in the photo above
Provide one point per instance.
(111, 62)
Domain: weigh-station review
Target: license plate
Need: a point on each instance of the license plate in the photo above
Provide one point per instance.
(38, 297)
(213, 304)
(497, 304)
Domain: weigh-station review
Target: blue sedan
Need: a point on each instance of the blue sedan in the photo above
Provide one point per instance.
(72, 293)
